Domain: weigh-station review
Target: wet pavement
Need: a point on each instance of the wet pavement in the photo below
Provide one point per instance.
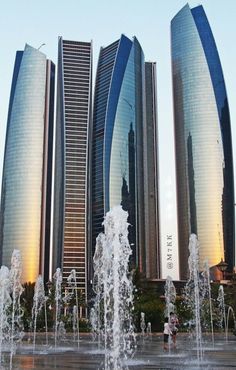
(149, 354)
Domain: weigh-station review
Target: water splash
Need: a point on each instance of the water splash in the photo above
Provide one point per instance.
(72, 285)
(230, 311)
(98, 286)
(93, 319)
(61, 331)
(113, 285)
(221, 306)
(206, 294)
(170, 296)
(58, 301)
(39, 301)
(149, 330)
(17, 312)
(142, 324)
(5, 303)
(192, 292)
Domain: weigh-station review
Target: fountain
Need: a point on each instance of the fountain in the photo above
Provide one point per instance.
(39, 301)
(111, 316)
(142, 324)
(206, 295)
(221, 306)
(230, 311)
(192, 292)
(5, 303)
(114, 287)
(170, 296)
(72, 285)
(95, 314)
(149, 330)
(61, 331)
(17, 312)
(58, 301)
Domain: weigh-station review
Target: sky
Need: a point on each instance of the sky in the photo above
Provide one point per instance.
(103, 21)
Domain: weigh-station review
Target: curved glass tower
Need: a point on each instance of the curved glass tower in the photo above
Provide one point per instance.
(26, 184)
(117, 154)
(205, 189)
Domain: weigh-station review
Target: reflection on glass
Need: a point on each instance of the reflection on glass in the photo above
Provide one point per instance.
(24, 212)
(203, 141)
(117, 126)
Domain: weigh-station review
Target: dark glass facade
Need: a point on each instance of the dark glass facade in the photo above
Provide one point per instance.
(71, 159)
(26, 184)
(204, 165)
(117, 153)
(150, 150)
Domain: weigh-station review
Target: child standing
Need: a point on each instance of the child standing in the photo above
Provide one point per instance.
(167, 332)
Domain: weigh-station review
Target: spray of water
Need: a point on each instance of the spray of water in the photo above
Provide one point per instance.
(5, 303)
(39, 302)
(93, 322)
(149, 330)
(72, 285)
(17, 312)
(221, 306)
(192, 292)
(230, 311)
(96, 318)
(142, 324)
(58, 301)
(170, 296)
(206, 297)
(114, 289)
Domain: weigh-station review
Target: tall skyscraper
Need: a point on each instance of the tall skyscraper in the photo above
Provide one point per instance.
(26, 184)
(119, 131)
(74, 84)
(205, 189)
(117, 125)
(150, 150)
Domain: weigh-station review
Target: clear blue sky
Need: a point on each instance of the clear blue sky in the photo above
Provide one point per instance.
(102, 21)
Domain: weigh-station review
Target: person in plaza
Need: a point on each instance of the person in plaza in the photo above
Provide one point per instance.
(173, 323)
(167, 332)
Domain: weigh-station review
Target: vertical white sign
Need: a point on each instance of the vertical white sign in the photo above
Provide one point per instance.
(169, 239)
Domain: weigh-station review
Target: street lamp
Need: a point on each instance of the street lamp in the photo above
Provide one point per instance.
(222, 266)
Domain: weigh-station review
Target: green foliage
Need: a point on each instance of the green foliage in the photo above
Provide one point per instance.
(153, 309)
(27, 303)
(146, 300)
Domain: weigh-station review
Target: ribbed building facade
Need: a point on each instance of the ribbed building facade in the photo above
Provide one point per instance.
(26, 184)
(74, 83)
(204, 165)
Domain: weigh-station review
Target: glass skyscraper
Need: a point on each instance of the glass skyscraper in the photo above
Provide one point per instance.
(26, 184)
(74, 82)
(119, 131)
(117, 124)
(205, 189)
(150, 160)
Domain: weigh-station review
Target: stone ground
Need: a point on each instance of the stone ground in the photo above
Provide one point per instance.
(149, 354)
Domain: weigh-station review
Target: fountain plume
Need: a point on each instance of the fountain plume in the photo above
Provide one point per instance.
(113, 285)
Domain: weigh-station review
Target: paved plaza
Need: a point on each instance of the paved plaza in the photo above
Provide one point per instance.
(149, 354)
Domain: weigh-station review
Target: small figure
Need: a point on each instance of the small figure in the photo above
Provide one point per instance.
(174, 323)
(167, 332)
